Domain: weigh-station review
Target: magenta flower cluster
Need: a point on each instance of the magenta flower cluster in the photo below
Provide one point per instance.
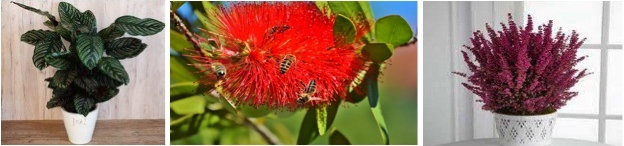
(522, 72)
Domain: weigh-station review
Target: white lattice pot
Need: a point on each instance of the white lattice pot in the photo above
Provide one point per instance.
(525, 130)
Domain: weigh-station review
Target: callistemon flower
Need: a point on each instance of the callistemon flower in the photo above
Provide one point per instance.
(254, 38)
(519, 71)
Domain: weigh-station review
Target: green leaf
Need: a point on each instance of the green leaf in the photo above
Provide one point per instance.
(179, 43)
(250, 111)
(108, 95)
(111, 32)
(190, 105)
(63, 78)
(393, 29)
(209, 20)
(372, 87)
(87, 83)
(143, 27)
(90, 49)
(52, 20)
(337, 138)
(350, 9)
(344, 30)
(65, 33)
(181, 90)
(113, 68)
(69, 14)
(60, 60)
(228, 105)
(382, 124)
(176, 4)
(378, 52)
(42, 50)
(83, 104)
(308, 131)
(104, 80)
(321, 119)
(323, 6)
(35, 37)
(126, 47)
(87, 23)
(57, 101)
(181, 71)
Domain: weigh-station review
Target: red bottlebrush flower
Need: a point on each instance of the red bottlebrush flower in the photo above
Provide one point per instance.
(255, 39)
(522, 72)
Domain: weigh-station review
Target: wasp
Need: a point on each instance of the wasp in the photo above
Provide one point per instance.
(286, 63)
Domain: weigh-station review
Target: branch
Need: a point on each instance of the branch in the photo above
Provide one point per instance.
(189, 36)
(262, 130)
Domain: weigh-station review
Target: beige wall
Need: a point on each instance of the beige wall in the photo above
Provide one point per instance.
(24, 93)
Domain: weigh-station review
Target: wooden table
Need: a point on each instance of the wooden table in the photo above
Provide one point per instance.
(27, 132)
(555, 142)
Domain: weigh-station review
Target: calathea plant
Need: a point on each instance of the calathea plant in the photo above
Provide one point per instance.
(88, 70)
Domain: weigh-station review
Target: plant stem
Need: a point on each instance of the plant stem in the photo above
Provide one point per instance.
(188, 34)
(262, 130)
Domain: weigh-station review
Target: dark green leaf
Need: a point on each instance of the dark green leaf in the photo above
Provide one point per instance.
(135, 26)
(57, 101)
(308, 130)
(371, 87)
(83, 104)
(113, 68)
(63, 78)
(123, 48)
(181, 71)
(90, 49)
(87, 83)
(321, 120)
(87, 23)
(103, 80)
(108, 95)
(177, 4)
(69, 14)
(42, 50)
(35, 37)
(189, 105)
(60, 60)
(393, 29)
(344, 30)
(52, 20)
(337, 138)
(378, 52)
(111, 32)
(65, 33)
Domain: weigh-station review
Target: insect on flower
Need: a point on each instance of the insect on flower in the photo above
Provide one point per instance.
(286, 62)
(218, 69)
(308, 91)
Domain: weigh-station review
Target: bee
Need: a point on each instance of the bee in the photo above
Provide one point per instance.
(306, 96)
(277, 29)
(287, 62)
(218, 69)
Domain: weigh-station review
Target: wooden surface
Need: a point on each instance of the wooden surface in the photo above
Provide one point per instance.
(24, 92)
(28, 132)
(555, 142)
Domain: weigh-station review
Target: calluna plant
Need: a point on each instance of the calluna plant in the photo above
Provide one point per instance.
(522, 72)
(85, 74)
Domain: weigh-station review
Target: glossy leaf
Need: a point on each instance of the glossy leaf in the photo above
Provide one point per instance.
(108, 95)
(35, 37)
(113, 68)
(83, 104)
(63, 78)
(344, 30)
(393, 29)
(321, 120)
(337, 138)
(136, 26)
(308, 130)
(60, 60)
(378, 52)
(126, 47)
(372, 87)
(111, 32)
(69, 14)
(90, 49)
(189, 105)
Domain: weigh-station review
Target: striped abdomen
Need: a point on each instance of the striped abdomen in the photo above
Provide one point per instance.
(286, 62)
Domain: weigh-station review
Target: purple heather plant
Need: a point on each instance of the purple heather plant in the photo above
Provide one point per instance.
(521, 72)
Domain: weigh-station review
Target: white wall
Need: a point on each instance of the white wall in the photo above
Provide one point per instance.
(449, 108)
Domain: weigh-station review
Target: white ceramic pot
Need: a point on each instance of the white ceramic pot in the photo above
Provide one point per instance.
(80, 128)
(525, 130)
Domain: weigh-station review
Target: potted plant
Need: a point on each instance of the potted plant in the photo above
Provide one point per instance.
(523, 76)
(88, 70)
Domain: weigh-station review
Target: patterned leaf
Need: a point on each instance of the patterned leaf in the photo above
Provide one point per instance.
(86, 83)
(90, 49)
(60, 60)
(83, 104)
(34, 37)
(143, 27)
(125, 48)
(41, 51)
(52, 20)
(108, 95)
(87, 23)
(104, 80)
(69, 14)
(65, 33)
(63, 78)
(111, 32)
(114, 69)
(57, 101)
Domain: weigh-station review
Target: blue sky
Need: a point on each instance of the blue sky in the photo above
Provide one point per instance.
(407, 10)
